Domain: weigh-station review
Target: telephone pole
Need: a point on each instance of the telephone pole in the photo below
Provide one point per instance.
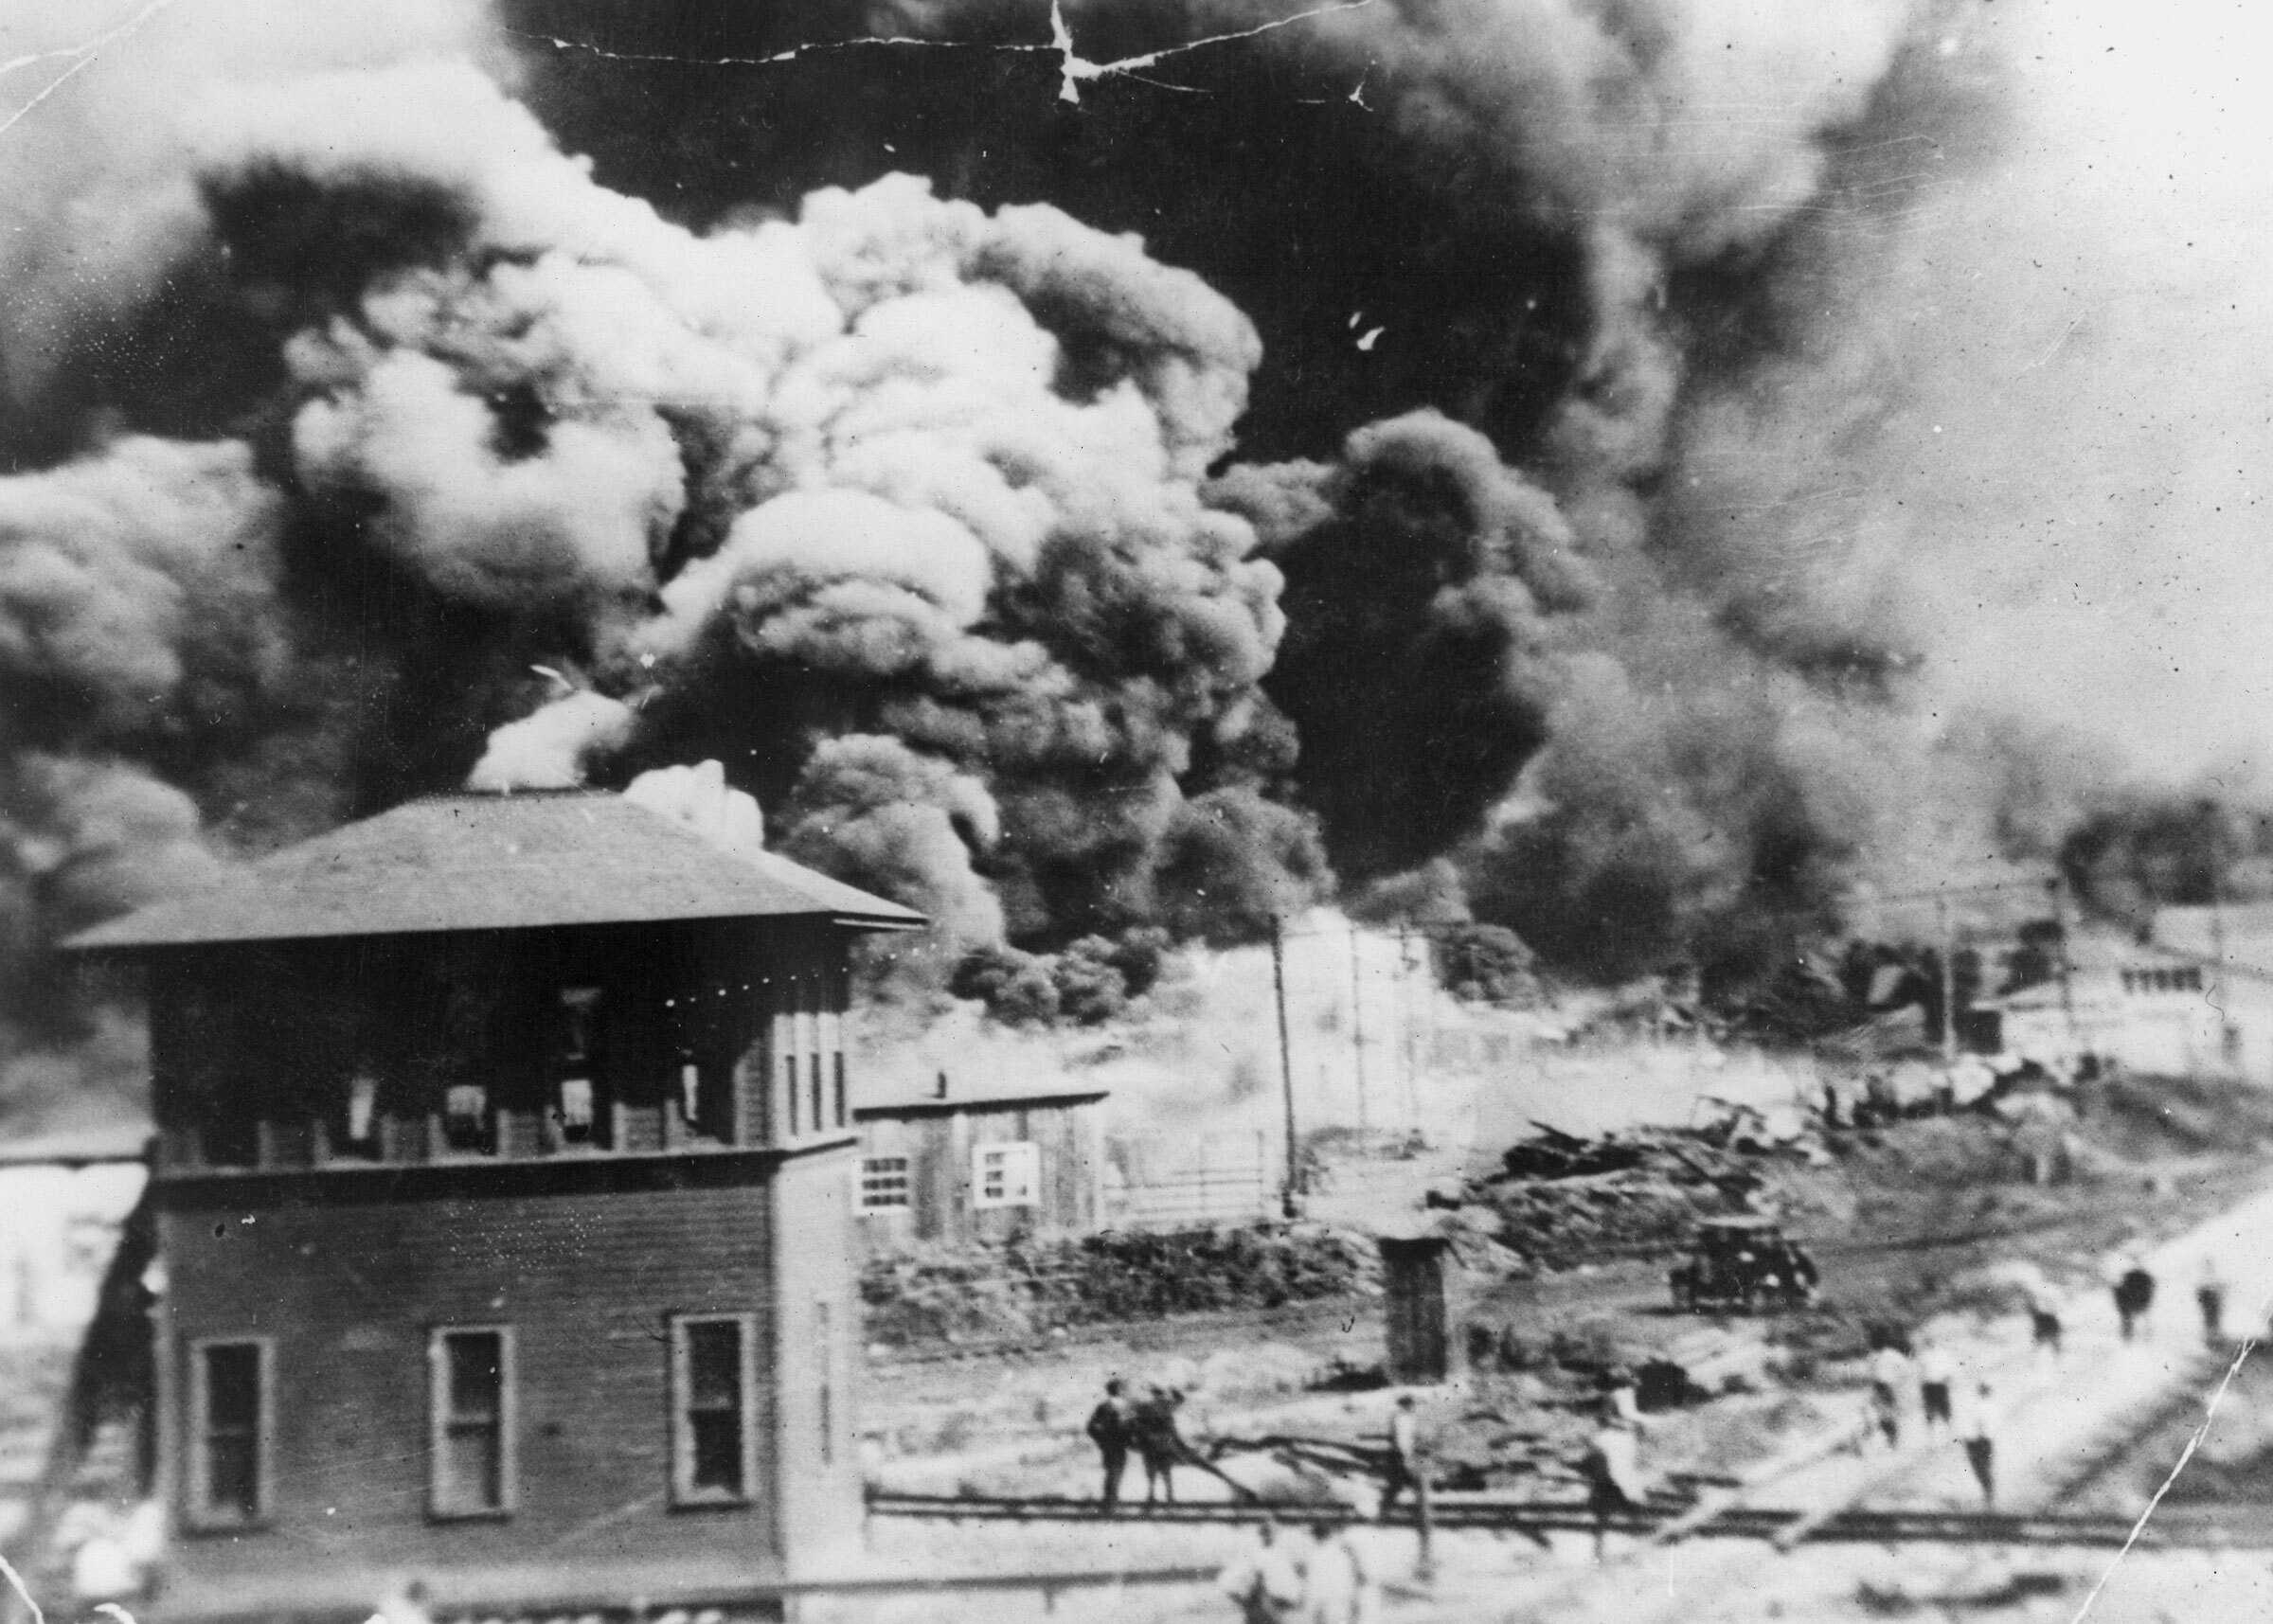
(1949, 980)
(1357, 1026)
(1290, 1199)
(2057, 886)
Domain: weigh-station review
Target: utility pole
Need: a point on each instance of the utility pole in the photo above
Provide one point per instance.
(2057, 886)
(1404, 1022)
(1949, 981)
(1290, 1201)
(1357, 1027)
(2229, 1035)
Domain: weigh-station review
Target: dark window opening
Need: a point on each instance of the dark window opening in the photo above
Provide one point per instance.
(358, 1129)
(819, 1119)
(466, 1122)
(579, 1109)
(789, 1088)
(842, 1113)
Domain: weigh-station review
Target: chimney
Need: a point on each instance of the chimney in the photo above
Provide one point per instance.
(942, 1091)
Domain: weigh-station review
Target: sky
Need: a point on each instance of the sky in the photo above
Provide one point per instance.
(2094, 317)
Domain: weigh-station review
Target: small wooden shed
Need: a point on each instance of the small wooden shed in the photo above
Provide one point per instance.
(1424, 1308)
(985, 1161)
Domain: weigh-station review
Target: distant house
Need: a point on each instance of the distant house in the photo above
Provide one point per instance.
(503, 1192)
(2141, 1005)
(979, 1162)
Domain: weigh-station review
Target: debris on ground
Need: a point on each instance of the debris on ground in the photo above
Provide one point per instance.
(972, 1293)
(1559, 1198)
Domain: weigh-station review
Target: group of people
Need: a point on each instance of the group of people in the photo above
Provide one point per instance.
(2133, 1287)
(1147, 1427)
(1945, 1406)
(1281, 1581)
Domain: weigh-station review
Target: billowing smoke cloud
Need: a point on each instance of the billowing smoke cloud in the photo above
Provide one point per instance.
(1463, 484)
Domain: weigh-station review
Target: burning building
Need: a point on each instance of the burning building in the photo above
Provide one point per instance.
(505, 1194)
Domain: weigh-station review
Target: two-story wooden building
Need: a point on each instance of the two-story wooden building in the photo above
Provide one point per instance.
(505, 1193)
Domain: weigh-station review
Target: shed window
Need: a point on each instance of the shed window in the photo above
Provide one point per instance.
(1006, 1174)
(471, 1441)
(712, 1378)
(230, 1425)
(883, 1184)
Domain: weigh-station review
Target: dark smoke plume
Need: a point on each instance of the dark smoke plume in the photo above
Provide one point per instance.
(1363, 447)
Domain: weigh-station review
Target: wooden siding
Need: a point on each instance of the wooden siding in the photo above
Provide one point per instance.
(939, 1146)
(586, 1260)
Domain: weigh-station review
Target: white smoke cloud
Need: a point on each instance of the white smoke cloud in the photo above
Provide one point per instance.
(549, 748)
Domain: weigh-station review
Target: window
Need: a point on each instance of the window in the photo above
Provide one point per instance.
(230, 1425)
(789, 1087)
(1006, 1174)
(471, 1426)
(356, 1132)
(231, 1133)
(884, 1185)
(819, 1121)
(712, 1380)
(466, 1117)
(576, 1106)
(841, 1112)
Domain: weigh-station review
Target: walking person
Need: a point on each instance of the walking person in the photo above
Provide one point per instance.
(2209, 1293)
(1980, 1442)
(2134, 1296)
(1265, 1585)
(1935, 1371)
(1334, 1578)
(1110, 1425)
(1890, 1376)
(1405, 1454)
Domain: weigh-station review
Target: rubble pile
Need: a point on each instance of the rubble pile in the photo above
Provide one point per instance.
(1561, 1199)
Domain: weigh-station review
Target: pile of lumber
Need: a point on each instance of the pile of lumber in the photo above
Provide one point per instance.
(1561, 1199)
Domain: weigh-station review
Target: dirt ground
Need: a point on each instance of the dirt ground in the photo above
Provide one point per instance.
(1909, 1222)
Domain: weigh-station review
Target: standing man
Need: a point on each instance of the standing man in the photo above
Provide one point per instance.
(1265, 1585)
(1110, 1424)
(1405, 1454)
(1936, 1370)
(2134, 1295)
(1980, 1442)
(1889, 1376)
(2209, 1292)
(1152, 1430)
(1612, 1467)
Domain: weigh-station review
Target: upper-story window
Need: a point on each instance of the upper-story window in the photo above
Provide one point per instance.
(579, 1104)
(467, 1122)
